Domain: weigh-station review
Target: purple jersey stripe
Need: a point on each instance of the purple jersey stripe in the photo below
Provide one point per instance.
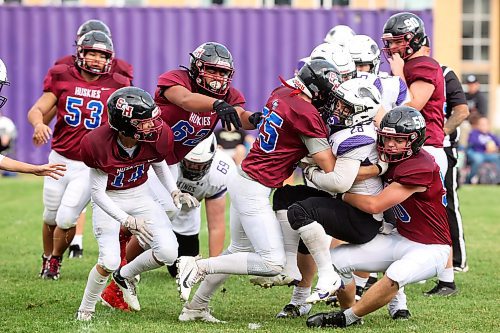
(402, 92)
(377, 83)
(353, 143)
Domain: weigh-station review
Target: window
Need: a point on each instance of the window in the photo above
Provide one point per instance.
(476, 30)
(332, 3)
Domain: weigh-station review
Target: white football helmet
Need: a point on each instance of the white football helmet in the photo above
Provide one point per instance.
(197, 162)
(3, 81)
(364, 51)
(339, 57)
(355, 102)
(339, 34)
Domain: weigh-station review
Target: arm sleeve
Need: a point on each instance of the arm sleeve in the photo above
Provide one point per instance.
(165, 176)
(454, 93)
(340, 179)
(315, 145)
(99, 181)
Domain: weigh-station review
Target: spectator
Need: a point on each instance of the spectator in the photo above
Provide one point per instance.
(234, 142)
(482, 148)
(475, 98)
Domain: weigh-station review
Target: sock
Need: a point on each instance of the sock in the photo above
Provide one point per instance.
(447, 284)
(350, 317)
(360, 282)
(291, 242)
(447, 275)
(95, 285)
(300, 294)
(206, 290)
(398, 302)
(231, 263)
(142, 263)
(318, 243)
(77, 240)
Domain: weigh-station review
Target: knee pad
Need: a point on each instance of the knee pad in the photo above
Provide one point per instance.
(49, 217)
(188, 245)
(298, 216)
(166, 254)
(110, 263)
(273, 269)
(67, 216)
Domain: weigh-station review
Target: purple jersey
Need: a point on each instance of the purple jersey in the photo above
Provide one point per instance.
(123, 172)
(428, 70)
(422, 217)
(478, 141)
(189, 127)
(117, 66)
(81, 105)
(279, 147)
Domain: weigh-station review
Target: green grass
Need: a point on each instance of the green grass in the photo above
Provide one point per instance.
(29, 304)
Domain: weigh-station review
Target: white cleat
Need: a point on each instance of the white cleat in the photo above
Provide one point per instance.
(82, 315)
(188, 274)
(198, 315)
(273, 281)
(128, 289)
(322, 294)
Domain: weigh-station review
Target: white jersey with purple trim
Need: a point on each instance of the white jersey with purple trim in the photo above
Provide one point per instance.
(212, 186)
(392, 88)
(358, 143)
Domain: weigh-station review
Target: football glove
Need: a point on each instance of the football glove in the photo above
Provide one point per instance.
(309, 170)
(139, 227)
(181, 198)
(255, 118)
(227, 114)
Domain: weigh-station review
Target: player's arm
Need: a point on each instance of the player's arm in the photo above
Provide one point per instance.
(320, 151)
(42, 106)
(47, 118)
(99, 182)
(216, 222)
(248, 121)
(390, 196)
(188, 100)
(55, 170)
(459, 114)
(339, 180)
(165, 176)
(421, 92)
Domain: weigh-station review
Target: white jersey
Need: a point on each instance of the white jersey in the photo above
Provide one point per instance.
(212, 186)
(392, 88)
(358, 143)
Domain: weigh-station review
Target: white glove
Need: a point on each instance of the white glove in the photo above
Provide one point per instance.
(139, 227)
(308, 171)
(386, 228)
(181, 198)
(306, 161)
(382, 166)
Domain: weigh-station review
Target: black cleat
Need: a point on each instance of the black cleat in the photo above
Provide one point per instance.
(330, 319)
(401, 314)
(75, 251)
(443, 289)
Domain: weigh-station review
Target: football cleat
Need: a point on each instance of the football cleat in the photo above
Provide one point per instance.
(330, 319)
(294, 311)
(188, 274)
(204, 314)
(45, 261)
(82, 315)
(274, 281)
(52, 271)
(128, 289)
(461, 269)
(321, 294)
(440, 289)
(75, 251)
(401, 314)
(112, 297)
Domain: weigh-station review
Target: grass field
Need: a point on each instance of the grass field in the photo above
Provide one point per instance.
(29, 304)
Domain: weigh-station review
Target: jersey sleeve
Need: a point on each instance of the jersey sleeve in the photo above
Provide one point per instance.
(454, 93)
(174, 78)
(414, 174)
(421, 71)
(308, 122)
(403, 96)
(220, 170)
(86, 152)
(356, 147)
(235, 97)
(165, 144)
(125, 69)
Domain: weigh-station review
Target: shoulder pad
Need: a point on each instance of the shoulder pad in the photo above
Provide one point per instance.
(121, 79)
(59, 69)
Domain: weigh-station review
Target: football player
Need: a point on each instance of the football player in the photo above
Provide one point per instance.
(136, 139)
(79, 92)
(404, 38)
(291, 127)
(419, 247)
(52, 170)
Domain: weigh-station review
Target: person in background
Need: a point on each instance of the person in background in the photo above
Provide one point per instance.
(483, 147)
(475, 98)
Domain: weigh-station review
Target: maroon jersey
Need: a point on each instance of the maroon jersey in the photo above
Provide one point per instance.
(428, 70)
(278, 147)
(81, 105)
(117, 66)
(189, 128)
(123, 172)
(422, 217)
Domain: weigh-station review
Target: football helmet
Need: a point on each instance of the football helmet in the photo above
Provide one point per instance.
(339, 57)
(406, 29)
(364, 51)
(3, 82)
(197, 162)
(317, 79)
(402, 122)
(339, 34)
(209, 57)
(92, 25)
(94, 41)
(133, 113)
(355, 102)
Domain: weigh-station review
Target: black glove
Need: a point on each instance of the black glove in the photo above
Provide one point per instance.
(255, 118)
(227, 114)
